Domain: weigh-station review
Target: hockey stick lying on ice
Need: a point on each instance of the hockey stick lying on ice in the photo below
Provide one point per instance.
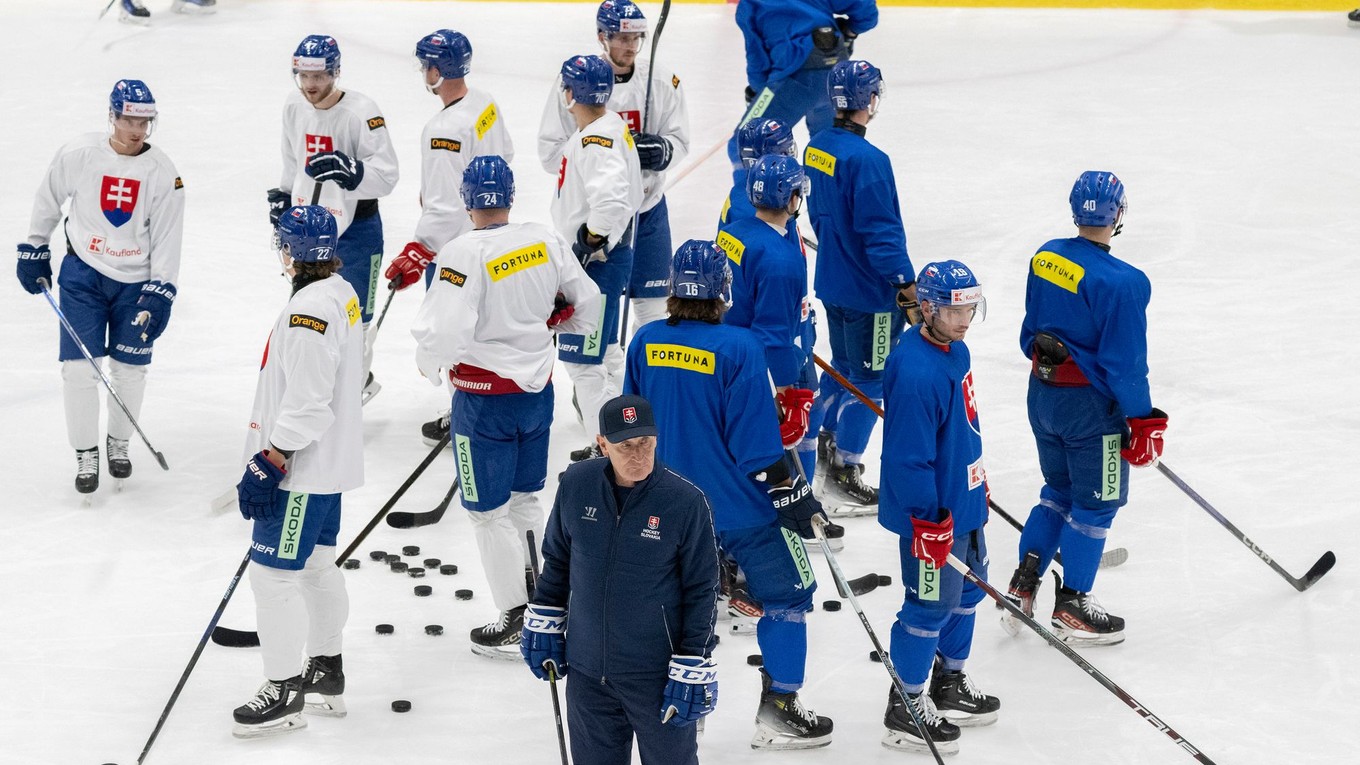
(1110, 559)
(230, 638)
(1323, 565)
(404, 520)
(552, 670)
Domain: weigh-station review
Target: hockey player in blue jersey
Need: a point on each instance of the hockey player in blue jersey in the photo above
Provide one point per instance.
(710, 388)
(864, 276)
(1085, 332)
(755, 139)
(791, 45)
(935, 498)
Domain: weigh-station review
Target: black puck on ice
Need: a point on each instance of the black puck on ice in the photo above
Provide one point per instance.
(351, 563)
(434, 629)
(873, 656)
(392, 558)
(716, 639)
(463, 594)
(415, 573)
(448, 569)
(423, 590)
(398, 567)
(755, 660)
(432, 563)
(831, 605)
(884, 580)
(410, 550)
(384, 629)
(377, 555)
(401, 705)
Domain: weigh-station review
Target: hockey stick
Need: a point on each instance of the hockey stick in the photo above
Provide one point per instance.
(230, 638)
(552, 670)
(1323, 565)
(391, 291)
(1077, 659)
(1109, 559)
(193, 660)
(404, 520)
(101, 15)
(47, 293)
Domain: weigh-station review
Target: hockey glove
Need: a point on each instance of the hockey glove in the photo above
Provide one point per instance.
(346, 171)
(796, 406)
(562, 310)
(906, 300)
(931, 541)
(750, 95)
(154, 302)
(34, 263)
(255, 492)
(654, 152)
(409, 267)
(278, 203)
(543, 640)
(796, 506)
(848, 34)
(1143, 445)
(589, 247)
(691, 692)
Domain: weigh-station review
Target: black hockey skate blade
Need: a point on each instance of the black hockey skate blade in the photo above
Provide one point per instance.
(1319, 569)
(230, 638)
(860, 586)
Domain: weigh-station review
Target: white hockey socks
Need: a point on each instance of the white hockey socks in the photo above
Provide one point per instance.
(281, 618)
(502, 550)
(323, 590)
(129, 380)
(527, 514)
(594, 385)
(80, 392)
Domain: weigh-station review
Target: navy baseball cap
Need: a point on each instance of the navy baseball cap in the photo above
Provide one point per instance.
(625, 417)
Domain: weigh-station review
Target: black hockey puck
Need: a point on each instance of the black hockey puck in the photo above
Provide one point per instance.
(463, 594)
(351, 563)
(434, 629)
(432, 563)
(716, 639)
(410, 550)
(401, 705)
(392, 558)
(398, 567)
(831, 605)
(755, 660)
(384, 629)
(884, 580)
(448, 569)
(415, 573)
(423, 590)
(873, 656)
(377, 555)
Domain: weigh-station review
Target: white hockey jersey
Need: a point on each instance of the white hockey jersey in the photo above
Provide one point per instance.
(491, 301)
(354, 126)
(126, 218)
(599, 181)
(668, 117)
(308, 397)
(470, 127)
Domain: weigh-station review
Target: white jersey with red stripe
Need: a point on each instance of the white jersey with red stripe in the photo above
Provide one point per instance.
(471, 127)
(599, 181)
(126, 217)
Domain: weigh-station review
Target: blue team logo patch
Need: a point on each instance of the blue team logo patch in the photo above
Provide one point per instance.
(118, 197)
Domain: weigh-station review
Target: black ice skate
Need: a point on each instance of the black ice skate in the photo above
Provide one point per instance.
(434, 431)
(835, 536)
(500, 639)
(87, 470)
(1079, 618)
(120, 466)
(826, 452)
(196, 7)
(323, 685)
(133, 12)
(782, 722)
(276, 709)
(959, 701)
(1354, 17)
(586, 453)
(846, 492)
(1024, 586)
(371, 388)
(902, 733)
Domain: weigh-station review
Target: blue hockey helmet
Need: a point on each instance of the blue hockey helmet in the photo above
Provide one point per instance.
(589, 78)
(853, 84)
(759, 137)
(951, 284)
(1098, 199)
(317, 53)
(772, 181)
(615, 16)
(308, 231)
(488, 183)
(699, 271)
(447, 51)
(132, 98)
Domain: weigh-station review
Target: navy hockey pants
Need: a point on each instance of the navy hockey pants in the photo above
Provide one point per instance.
(780, 577)
(860, 343)
(604, 715)
(98, 308)
(361, 252)
(651, 276)
(803, 94)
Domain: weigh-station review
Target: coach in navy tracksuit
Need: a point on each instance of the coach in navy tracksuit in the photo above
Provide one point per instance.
(630, 545)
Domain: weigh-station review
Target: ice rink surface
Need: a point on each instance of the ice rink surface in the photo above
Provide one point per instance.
(1234, 132)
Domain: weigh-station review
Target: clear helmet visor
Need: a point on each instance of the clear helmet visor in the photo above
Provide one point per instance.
(127, 123)
(966, 314)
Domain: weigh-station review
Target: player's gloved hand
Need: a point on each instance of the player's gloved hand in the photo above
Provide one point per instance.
(931, 540)
(346, 171)
(34, 263)
(543, 640)
(847, 34)
(409, 266)
(691, 692)
(1143, 445)
(796, 406)
(154, 302)
(255, 492)
(796, 505)
(906, 300)
(654, 152)
(589, 247)
(562, 310)
(278, 202)
(750, 95)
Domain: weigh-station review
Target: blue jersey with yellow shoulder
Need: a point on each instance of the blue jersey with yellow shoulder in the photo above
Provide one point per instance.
(932, 439)
(738, 206)
(1097, 305)
(769, 294)
(861, 246)
(715, 413)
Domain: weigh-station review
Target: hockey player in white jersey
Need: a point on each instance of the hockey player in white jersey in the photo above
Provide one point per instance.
(133, 12)
(661, 131)
(122, 242)
(304, 448)
(338, 138)
(504, 289)
(599, 191)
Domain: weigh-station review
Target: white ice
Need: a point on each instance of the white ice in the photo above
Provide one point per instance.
(1236, 136)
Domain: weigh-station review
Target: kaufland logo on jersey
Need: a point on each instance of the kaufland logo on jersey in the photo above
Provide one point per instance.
(319, 144)
(117, 198)
(630, 417)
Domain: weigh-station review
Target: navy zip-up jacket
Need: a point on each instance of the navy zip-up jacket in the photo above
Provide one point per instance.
(640, 582)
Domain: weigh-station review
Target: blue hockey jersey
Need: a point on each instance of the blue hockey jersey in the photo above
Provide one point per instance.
(769, 294)
(1097, 305)
(932, 440)
(715, 412)
(861, 246)
(778, 33)
(738, 206)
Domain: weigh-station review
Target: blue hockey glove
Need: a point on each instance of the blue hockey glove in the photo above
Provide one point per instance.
(654, 152)
(691, 692)
(346, 171)
(34, 263)
(589, 247)
(255, 492)
(543, 640)
(278, 203)
(154, 302)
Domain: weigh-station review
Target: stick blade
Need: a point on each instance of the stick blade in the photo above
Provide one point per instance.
(403, 520)
(1114, 557)
(160, 459)
(1319, 569)
(230, 638)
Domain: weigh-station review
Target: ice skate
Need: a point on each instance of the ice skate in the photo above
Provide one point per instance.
(744, 611)
(845, 491)
(323, 686)
(87, 470)
(195, 7)
(434, 431)
(1078, 618)
(1355, 18)
(500, 639)
(835, 538)
(783, 723)
(1024, 586)
(902, 733)
(133, 12)
(826, 452)
(371, 389)
(276, 709)
(120, 467)
(959, 701)
(586, 453)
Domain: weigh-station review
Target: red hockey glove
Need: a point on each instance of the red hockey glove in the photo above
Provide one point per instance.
(795, 406)
(562, 310)
(1145, 440)
(410, 265)
(932, 541)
